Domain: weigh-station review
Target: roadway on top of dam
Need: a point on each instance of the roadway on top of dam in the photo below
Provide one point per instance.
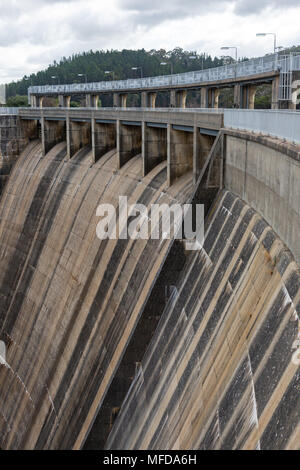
(262, 69)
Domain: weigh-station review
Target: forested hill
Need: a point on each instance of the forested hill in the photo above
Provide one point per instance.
(94, 65)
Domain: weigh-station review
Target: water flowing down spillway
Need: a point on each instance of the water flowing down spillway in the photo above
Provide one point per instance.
(69, 301)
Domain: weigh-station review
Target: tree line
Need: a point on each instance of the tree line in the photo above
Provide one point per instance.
(92, 65)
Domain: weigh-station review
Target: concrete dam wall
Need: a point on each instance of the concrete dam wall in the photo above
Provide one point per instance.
(69, 301)
(139, 343)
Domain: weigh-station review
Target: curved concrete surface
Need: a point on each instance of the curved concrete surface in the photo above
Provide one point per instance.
(265, 172)
(222, 371)
(69, 302)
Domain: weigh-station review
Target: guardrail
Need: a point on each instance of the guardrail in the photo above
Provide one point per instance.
(241, 69)
(276, 123)
(9, 111)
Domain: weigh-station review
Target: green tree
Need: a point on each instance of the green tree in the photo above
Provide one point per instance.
(17, 101)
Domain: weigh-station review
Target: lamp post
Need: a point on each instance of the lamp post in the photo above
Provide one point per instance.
(192, 57)
(226, 48)
(138, 68)
(267, 34)
(170, 64)
(82, 75)
(54, 77)
(110, 72)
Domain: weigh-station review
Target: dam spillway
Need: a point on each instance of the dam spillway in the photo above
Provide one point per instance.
(55, 281)
(220, 368)
(221, 358)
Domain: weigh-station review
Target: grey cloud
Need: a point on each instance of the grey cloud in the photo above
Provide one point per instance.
(157, 11)
(246, 7)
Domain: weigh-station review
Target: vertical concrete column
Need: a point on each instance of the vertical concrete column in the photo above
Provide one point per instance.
(116, 100)
(215, 101)
(129, 142)
(33, 101)
(78, 136)
(144, 99)
(148, 99)
(213, 97)
(40, 100)
(68, 136)
(154, 146)
(152, 99)
(124, 100)
(94, 101)
(53, 132)
(275, 93)
(88, 101)
(67, 103)
(103, 138)
(236, 96)
(173, 99)
(204, 97)
(120, 100)
(64, 101)
(181, 98)
(251, 96)
(196, 154)
(244, 96)
(209, 97)
(180, 148)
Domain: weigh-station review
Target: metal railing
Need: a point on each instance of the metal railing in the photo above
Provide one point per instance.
(276, 123)
(9, 111)
(241, 69)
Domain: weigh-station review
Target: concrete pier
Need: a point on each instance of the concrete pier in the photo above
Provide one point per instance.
(148, 99)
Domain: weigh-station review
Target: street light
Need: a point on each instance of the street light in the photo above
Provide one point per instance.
(267, 34)
(82, 75)
(54, 77)
(107, 72)
(226, 48)
(138, 68)
(168, 63)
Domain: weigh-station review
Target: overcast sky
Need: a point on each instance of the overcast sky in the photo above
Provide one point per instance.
(35, 32)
